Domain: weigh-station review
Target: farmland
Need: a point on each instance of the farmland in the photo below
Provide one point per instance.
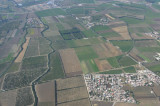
(50, 12)
(71, 67)
(46, 93)
(72, 94)
(85, 53)
(112, 72)
(70, 82)
(34, 62)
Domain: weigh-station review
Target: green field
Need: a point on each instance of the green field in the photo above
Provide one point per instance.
(155, 69)
(56, 70)
(130, 69)
(100, 28)
(125, 46)
(89, 66)
(110, 34)
(90, 33)
(14, 67)
(113, 62)
(84, 42)
(34, 62)
(45, 49)
(32, 50)
(77, 10)
(85, 53)
(112, 72)
(126, 61)
(145, 58)
(50, 12)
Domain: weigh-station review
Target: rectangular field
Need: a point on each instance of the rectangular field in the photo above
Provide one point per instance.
(46, 93)
(82, 102)
(70, 82)
(72, 94)
(70, 61)
(106, 50)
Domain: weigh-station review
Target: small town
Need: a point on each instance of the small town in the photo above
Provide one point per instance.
(108, 87)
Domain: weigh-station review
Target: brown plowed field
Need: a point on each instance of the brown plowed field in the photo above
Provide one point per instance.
(46, 93)
(21, 55)
(103, 64)
(70, 62)
(107, 50)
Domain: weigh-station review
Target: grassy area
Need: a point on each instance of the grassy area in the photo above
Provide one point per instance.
(100, 28)
(110, 34)
(85, 53)
(34, 62)
(14, 67)
(31, 31)
(139, 34)
(89, 66)
(130, 69)
(77, 10)
(113, 62)
(56, 70)
(155, 69)
(82, 1)
(7, 59)
(89, 33)
(50, 12)
(112, 72)
(125, 46)
(144, 57)
(126, 61)
(83, 42)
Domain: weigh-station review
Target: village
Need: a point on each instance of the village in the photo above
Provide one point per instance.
(109, 87)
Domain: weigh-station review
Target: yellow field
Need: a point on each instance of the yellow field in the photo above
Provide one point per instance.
(21, 55)
(123, 31)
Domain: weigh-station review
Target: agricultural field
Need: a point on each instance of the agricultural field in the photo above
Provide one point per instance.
(72, 94)
(106, 50)
(21, 55)
(50, 12)
(24, 97)
(125, 46)
(112, 72)
(126, 61)
(46, 93)
(21, 79)
(89, 66)
(70, 62)
(34, 62)
(103, 64)
(70, 82)
(143, 92)
(85, 53)
(155, 69)
(84, 42)
(8, 98)
(81, 102)
(130, 69)
(113, 62)
(56, 70)
(98, 103)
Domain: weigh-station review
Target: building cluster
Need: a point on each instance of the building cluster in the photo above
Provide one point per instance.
(157, 56)
(109, 87)
(87, 21)
(154, 35)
